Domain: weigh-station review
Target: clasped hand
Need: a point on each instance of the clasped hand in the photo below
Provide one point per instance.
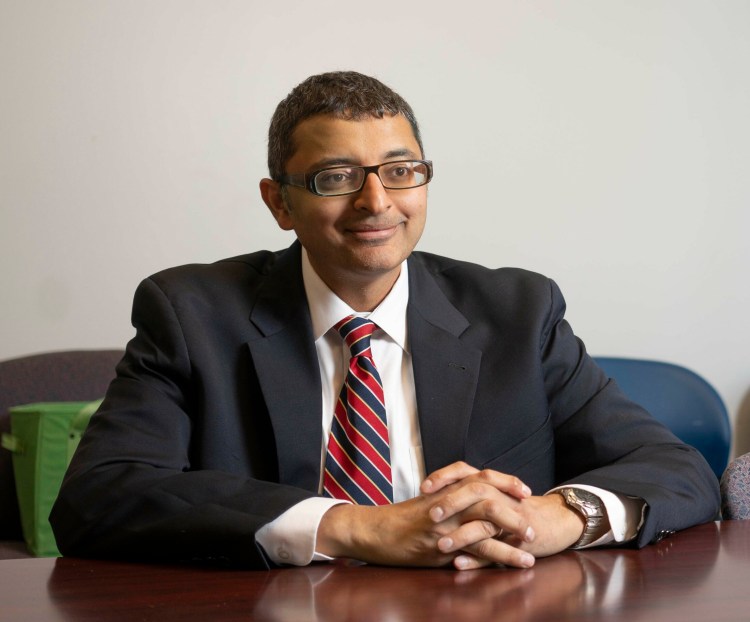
(463, 516)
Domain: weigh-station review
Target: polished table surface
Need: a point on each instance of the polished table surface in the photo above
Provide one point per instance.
(698, 574)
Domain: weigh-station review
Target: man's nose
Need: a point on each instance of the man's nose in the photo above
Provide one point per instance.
(373, 196)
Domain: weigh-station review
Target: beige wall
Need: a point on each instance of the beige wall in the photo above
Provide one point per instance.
(613, 137)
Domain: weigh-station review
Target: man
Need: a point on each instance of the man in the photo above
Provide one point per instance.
(224, 436)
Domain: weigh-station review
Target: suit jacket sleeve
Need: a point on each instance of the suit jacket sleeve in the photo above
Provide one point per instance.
(168, 469)
(503, 383)
(604, 439)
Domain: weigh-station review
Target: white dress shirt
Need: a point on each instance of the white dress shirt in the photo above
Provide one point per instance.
(290, 538)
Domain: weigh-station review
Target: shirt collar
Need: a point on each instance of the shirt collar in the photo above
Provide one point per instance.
(326, 308)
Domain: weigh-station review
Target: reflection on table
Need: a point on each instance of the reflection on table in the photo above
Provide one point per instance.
(699, 574)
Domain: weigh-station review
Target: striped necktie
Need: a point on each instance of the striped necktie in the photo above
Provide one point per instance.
(358, 460)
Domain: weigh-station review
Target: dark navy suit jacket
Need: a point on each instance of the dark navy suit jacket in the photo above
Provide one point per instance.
(212, 427)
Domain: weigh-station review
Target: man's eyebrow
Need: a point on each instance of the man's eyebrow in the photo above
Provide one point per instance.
(328, 162)
(342, 161)
(402, 153)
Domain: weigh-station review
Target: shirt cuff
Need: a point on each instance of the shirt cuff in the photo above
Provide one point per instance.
(290, 537)
(625, 514)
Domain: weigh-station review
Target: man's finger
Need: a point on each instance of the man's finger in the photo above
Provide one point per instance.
(472, 531)
(446, 476)
(471, 501)
(459, 471)
(491, 551)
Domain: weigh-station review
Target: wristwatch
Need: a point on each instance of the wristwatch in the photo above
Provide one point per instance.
(592, 510)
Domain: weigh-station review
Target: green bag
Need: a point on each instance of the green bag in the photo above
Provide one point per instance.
(43, 438)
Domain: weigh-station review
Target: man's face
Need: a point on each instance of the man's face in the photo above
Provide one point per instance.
(360, 239)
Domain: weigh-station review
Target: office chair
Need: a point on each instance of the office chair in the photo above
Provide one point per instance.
(76, 375)
(680, 399)
(735, 489)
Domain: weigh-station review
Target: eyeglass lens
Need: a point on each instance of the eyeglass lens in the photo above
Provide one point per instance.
(346, 179)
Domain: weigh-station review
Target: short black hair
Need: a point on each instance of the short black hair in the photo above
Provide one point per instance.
(343, 94)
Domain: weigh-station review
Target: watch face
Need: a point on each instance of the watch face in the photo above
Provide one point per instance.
(571, 497)
(590, 507)
(583, 501)
(585, 496)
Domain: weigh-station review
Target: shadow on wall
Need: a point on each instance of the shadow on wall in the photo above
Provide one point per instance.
(742, 427)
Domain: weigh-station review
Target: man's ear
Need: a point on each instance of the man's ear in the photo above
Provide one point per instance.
(270, 191)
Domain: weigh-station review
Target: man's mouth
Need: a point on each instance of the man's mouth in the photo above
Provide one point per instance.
(373, 231)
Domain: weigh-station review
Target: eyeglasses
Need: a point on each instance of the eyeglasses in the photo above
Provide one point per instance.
(338, 180)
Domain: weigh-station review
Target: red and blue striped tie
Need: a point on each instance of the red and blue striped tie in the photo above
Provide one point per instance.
(358, 461)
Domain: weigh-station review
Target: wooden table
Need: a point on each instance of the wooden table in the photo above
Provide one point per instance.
(699, 574)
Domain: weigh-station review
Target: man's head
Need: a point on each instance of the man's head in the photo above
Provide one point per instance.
(349, 178)
(341, 94)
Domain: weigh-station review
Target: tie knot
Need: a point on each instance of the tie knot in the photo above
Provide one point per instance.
(356, 331)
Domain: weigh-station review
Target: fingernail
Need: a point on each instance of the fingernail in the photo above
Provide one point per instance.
(461, 562)
(436, 513)
(426, 485)
(527, 561)
(445, 544)
(526, 490)
(529, 535)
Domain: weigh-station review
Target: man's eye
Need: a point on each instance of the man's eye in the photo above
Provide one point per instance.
(397, 172)
(334, 178)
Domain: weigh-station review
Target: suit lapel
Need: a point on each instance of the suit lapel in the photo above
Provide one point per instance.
(445, 369)
(287, 367)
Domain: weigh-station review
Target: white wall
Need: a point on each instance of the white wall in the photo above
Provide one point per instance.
(614, 138)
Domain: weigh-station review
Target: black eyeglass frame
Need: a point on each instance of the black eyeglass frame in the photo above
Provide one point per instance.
(307, 180)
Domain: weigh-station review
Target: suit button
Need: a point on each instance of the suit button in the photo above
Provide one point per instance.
(282, 553)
